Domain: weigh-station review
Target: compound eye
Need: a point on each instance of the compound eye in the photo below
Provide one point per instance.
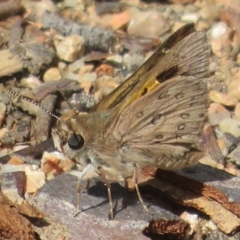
(76, 141)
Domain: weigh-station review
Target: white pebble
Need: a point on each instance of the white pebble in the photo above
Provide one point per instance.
(218, 30)
(231, 126)
(190, 17)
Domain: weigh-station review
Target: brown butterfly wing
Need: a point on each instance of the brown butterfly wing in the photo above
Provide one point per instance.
(163, 128)
(190, 57)
(184, 52)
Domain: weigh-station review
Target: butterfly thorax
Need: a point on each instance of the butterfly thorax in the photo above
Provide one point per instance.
(100, 148)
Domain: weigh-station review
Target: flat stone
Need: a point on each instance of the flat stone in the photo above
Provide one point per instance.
(56, 200)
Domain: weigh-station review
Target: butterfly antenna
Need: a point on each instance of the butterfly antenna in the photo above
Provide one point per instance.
(28, 100)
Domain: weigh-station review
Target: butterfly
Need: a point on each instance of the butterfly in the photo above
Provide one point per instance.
(154, 118)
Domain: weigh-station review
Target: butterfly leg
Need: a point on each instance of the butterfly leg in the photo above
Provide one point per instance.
(88, 183)
(87, 169)
(135, 180)
(105, 180)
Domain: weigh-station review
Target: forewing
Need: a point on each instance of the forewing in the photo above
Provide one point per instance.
(190, 57)
(163, 128)
(186, 52)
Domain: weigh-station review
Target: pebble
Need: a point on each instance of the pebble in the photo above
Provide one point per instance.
(20, 147)
(54, 163)
(141, 23)
(85, 69)
(191, 218)
(52, 74)
(222, 98)
(88, 76)
(218, 30)
(231, 126)
(217, 113)
(190, 17)
(37, 8)
(62, 66)
(234, 156)
(86, 86)
(105, 69)
(13, 182)
(225, 141)
(35, 178)
(115, 58)
(106, 84)
(3, 132)
(69, 48)
(71, 3)
(82, 101)
(117, 20)
(217, 47)
(211, 144)
(234, 86)
(72, 76)
(211, 12)
(132, 60)
(213, 67)
(223, 147)
(201, 25)
(74, 67)
(31, 82)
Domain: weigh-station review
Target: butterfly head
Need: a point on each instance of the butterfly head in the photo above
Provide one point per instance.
(68, 136)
